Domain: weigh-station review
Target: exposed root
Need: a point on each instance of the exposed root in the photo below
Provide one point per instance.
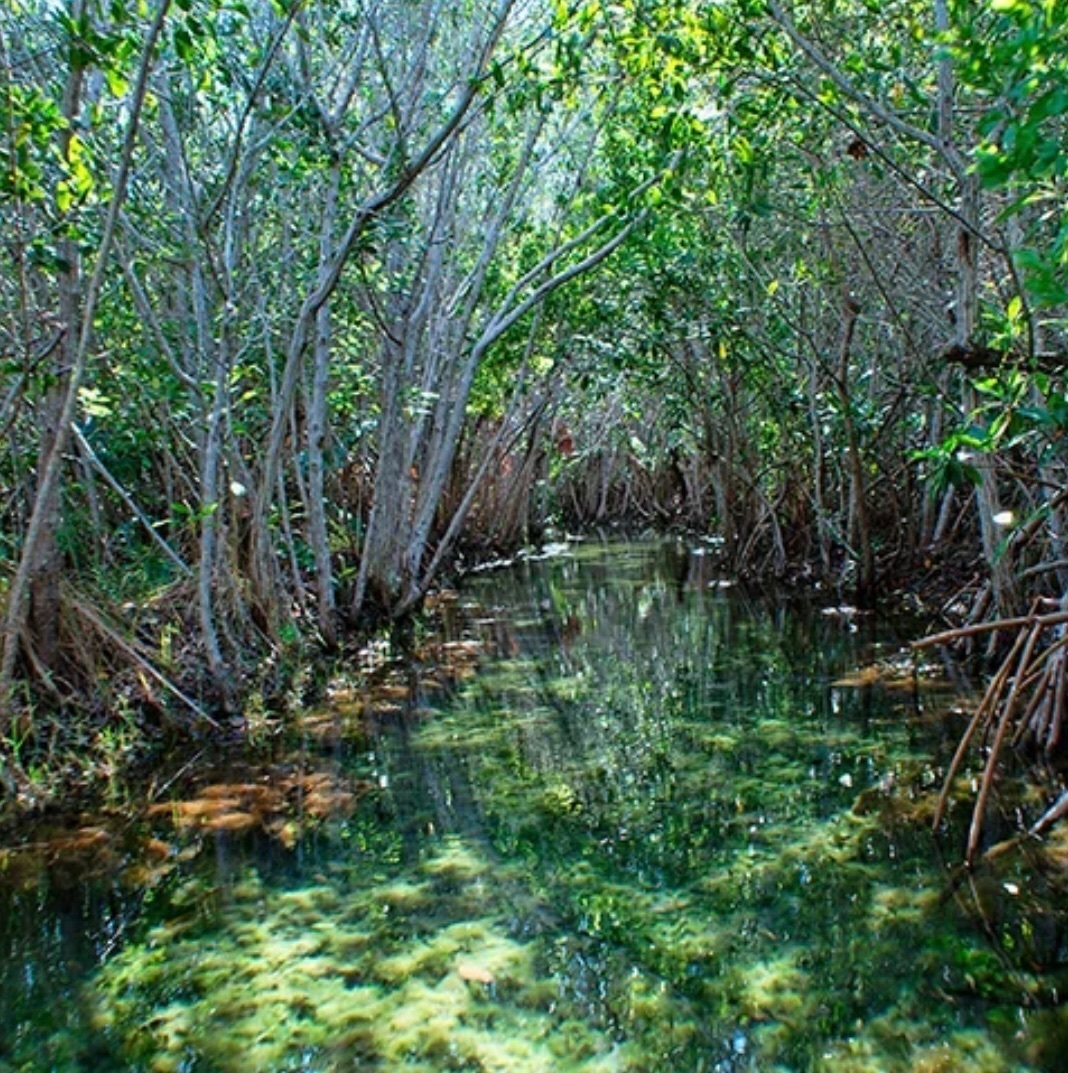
(1023, 705)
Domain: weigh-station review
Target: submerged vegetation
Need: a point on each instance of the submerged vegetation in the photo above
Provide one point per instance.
(309, 307)
(659, 829)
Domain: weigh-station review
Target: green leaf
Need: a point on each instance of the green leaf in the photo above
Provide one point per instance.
(183, 44)
(94, 403)
(118, 83)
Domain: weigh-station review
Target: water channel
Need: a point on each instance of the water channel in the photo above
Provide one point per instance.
(616, 815)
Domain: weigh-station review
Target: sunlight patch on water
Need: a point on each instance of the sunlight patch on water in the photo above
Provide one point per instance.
(656, 831)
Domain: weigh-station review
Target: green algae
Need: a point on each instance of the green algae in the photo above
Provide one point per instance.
(657, 834)
(406, 989)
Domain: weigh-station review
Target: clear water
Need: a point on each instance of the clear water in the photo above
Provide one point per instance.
(615, 817)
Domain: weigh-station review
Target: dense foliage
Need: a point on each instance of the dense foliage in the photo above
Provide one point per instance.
(301, 299)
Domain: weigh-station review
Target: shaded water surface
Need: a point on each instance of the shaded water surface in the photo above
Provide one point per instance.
(616, 817)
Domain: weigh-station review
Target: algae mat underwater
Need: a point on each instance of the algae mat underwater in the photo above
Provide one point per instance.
(617, 816)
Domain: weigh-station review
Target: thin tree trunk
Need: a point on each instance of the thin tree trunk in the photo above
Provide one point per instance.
(330, 271)
(44, 520)
(859, 528)
(318, 420)
(207, 577)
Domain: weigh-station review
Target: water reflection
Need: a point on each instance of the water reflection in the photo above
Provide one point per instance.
(665, 826)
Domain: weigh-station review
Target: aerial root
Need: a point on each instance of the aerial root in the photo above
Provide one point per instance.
(1023, 705)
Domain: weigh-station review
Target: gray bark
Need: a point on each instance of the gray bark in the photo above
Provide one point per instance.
(41, 532)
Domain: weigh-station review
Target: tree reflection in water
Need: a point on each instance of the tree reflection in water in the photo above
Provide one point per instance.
(617, 816)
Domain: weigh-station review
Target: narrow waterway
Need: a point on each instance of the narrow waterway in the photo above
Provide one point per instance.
(616, 815)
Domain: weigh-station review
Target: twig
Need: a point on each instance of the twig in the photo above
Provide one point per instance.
(1038, 705)
(97, 620)
(157, 791)
(1058, 710)
(1044, 568)
(1058, 809)
(117, 488)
